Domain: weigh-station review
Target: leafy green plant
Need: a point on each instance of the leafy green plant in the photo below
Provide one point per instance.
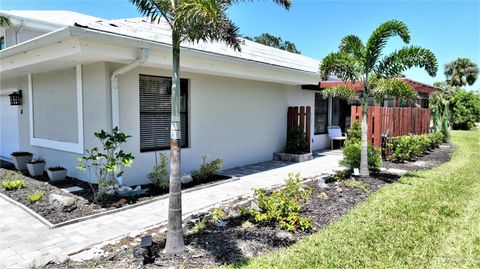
(296, 141)
(37, 160)
(13, 181)
(36, 196)
(218, 215)
(354, 134)
(409, 147)
(158, 176)
(200, 225)
(283, 206)
(352, 183)
(351, 156)
(207, 169)
(108, 164)
(464, 108)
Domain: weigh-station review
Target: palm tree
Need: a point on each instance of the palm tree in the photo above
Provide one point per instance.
(461, 72)
(363, 63)
(189, 20)
(5, 21)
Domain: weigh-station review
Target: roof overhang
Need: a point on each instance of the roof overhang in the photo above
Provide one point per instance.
(72, 45)
(417, 86)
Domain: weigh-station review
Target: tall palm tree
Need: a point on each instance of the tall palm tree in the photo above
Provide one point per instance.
(461, 72)
(189, 20)
(359, 62)
(5, 21)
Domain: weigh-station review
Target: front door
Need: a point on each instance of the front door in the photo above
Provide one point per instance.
(9, 139)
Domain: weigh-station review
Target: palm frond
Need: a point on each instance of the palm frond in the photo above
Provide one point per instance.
(398, 61)
(155, 9)
(393, 87)
(343, 65)
(379, 38)
(5, 21)
(352, 44)
(342, 92)
(206, 20)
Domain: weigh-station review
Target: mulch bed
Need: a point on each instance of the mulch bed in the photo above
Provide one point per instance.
(430, 160)
(240, 239)
(84, 199)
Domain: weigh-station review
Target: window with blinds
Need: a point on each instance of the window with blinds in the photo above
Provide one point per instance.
(321, 114)
(155, 112)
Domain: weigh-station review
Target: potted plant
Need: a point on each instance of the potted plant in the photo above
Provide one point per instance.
(20, 159)
(56, 173)
(36, 167)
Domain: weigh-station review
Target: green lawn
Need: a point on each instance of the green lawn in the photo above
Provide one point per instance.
(429, 219)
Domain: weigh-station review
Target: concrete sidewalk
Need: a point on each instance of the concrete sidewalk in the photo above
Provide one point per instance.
(22, 237)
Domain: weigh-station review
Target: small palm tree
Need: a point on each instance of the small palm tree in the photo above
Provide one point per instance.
(5, 21)
(194, 21)
(461, 72)
(359, 62)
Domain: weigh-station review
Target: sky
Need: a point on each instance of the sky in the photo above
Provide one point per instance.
(449, 28)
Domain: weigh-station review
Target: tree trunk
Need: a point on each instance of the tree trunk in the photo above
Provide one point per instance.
(364, 144)
(175, 242)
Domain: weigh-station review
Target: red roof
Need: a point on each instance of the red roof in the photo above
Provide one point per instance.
(417, 86)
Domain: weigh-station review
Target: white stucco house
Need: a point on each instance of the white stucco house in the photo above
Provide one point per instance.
(79, 74)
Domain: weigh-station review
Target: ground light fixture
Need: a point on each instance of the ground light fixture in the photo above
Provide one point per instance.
(146, 244)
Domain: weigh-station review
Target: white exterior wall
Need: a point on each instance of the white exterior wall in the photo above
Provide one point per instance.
(16, 35)
(241, 121)
(96, 115)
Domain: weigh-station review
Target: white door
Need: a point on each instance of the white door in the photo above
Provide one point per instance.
(9, 139)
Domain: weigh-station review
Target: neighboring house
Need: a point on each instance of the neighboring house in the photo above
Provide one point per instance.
(80, 74)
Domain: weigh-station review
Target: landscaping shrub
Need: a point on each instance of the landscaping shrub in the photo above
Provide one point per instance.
(465, 109)
(158, 176)
(351, 156)
(218, 215)
(13, 181)
(296, 141)
(36, 196)
(283, 206)
(409, 147)
(207, 169)
(354, 134)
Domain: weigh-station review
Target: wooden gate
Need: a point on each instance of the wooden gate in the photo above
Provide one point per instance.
(300, 116)
(396, 120)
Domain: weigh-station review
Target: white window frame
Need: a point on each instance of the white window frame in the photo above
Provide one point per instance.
(53, 144)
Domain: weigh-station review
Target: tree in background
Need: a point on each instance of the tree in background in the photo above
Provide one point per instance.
(363, 63)
(461, 72)
(465, 109)
(194, 21)
(275, 42)
(5, 21)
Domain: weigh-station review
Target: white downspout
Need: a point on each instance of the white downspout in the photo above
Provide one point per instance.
(114, 84)
(17, 32)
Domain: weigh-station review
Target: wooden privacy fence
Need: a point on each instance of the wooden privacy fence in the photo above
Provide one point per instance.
(300, 116)
(396, 120)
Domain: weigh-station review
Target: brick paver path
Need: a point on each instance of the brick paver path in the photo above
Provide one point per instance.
(22, 237)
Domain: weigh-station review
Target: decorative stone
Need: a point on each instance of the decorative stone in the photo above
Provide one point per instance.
(186, 179)
(323, 196)
(62, 203)
(137, 188)
(110, 192)
(72, 189)
(283, 235)
(48, 258)
(321, 183)
(124, 190)
(221, 223)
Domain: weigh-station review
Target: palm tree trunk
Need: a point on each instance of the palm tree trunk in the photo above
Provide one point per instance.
(364, 144)
(175, 242)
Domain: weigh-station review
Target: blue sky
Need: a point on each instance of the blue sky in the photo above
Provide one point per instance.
(450, 29)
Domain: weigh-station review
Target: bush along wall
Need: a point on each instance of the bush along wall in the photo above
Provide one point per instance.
(410, 147)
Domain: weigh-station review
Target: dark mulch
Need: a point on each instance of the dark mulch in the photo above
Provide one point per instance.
(430, 160)
(84, 198)
(237, 241)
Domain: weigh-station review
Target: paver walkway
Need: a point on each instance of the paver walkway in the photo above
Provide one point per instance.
(22, 237)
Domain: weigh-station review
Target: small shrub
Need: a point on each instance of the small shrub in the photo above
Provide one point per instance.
(200, 225)
(13, 181)
(218, 215)
(158, 176)
(354, 134)
(283, 206)
(436, 139)
(403, 148)
(36, 196)
(352, 153)
(425, 144)
(296, 141)
(207, 169)
(341, 175)
(355, 184)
